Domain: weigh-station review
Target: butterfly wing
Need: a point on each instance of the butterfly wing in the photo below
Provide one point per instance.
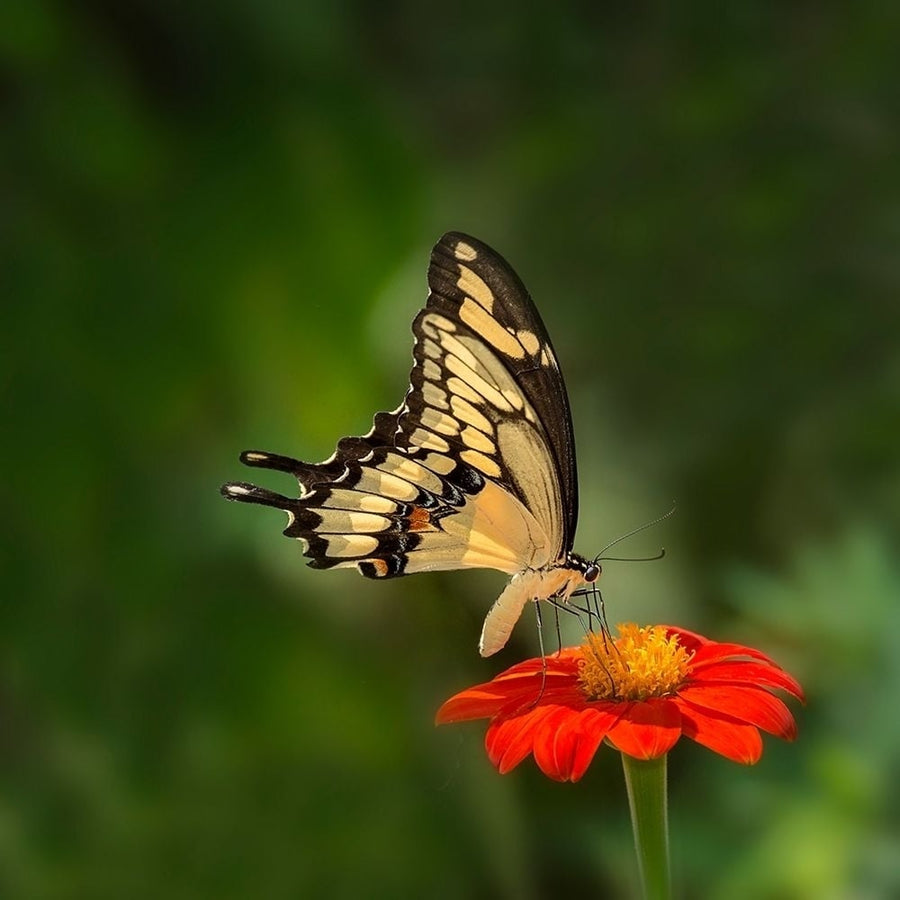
(485, 367)
(476, 469)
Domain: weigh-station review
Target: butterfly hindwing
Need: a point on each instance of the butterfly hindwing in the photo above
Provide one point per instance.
(398, 512)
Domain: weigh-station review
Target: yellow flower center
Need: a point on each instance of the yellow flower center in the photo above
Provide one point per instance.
(640, 663)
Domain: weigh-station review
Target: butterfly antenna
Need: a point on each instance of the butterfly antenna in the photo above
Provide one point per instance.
(660, 555)
(635, 531)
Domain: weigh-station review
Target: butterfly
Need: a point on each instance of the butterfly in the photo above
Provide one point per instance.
(475, 469)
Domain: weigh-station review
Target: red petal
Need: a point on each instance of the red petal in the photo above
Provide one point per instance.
(565, 742)
(535, 680)
(479, 702)
(755, 706)
(647, 729)
(748, 672)
(690, 640)
(522, 701)
(546, 743)
(712, 652)
(563, 664)
(589, 729)
(721, 734)
(509, 691)
(509, 741)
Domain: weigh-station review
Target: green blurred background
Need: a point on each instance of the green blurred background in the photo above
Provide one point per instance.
(215, 225)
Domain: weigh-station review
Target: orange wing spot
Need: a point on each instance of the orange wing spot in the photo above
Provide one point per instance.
(380, 567)
(419, 519)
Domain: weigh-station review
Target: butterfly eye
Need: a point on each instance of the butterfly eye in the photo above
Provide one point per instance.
(592, 573)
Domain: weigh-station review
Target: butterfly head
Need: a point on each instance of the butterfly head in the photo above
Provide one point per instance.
(590, 569)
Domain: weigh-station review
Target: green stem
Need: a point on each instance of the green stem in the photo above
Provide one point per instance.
(645, 780)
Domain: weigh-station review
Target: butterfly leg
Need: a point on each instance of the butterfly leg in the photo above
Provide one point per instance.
(594, 608)
(600, 610)
(540, 630)
(572, 609)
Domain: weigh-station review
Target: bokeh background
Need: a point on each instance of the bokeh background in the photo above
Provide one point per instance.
(215, 224)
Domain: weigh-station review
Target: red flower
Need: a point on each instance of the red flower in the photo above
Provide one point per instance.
(641, 693)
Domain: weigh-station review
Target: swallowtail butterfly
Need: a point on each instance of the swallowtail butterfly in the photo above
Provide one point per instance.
(475, 469)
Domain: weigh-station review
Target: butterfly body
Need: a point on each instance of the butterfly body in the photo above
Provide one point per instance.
(475, 469)
(555, 582)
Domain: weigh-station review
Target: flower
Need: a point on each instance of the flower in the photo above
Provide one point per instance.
(640, 693)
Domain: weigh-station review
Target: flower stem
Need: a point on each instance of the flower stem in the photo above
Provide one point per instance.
(645, 780)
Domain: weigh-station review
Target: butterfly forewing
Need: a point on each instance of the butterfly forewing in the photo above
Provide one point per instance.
(487, 386)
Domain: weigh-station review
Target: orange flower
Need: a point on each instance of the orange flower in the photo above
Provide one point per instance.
(641, 693)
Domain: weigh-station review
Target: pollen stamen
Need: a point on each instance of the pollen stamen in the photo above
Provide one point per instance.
(640, 663)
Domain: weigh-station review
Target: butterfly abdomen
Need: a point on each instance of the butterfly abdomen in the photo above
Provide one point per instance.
(542, 584)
